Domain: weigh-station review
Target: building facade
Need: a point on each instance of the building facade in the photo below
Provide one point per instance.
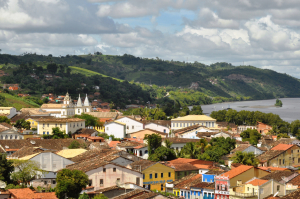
(190, 120)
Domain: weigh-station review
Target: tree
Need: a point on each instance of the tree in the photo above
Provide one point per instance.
(74, 145)
(84, 196)
(251, 135)
(295, 126)
(245, 158)
(189, 151)
(278, 103)
(52, 68)
(22, 124)
(196, 110)
(154, 141)
(100, 196)
(70, 183)
(6, 167)
(282, 135)
(162, 154)
(26, 170)
(56, 134)
(89, 119)
(4, 119)
(202, 145)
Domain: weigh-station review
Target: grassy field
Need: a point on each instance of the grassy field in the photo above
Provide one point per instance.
(88, 73)
(18, 102)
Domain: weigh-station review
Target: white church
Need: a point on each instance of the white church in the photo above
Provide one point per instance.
(67, 109)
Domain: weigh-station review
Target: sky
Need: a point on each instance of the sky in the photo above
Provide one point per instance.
(262, 33)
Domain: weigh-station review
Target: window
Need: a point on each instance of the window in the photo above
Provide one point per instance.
(47, 125)
(104, 170)
(279, 161)
(107, 128)
(118, 179)
(90, 182)
(150, 176)
(155, 175)
(43, 132)
(47, 132)
(177, 125)
(101, 183)
(55, 125)
(132, 127)
(114, 169)
(81, 124)
(282, 161)
(127, 127)
(278, 187)
(45, 182)
(162, 175)
(137, 181)
(161, 187)
(43, 125)
(169, 175)
(60, 125)
(180, 124)
(53, 181)
(143, 176)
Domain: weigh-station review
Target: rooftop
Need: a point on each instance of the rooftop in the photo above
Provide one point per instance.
(242, 147)
(277, 175)
(154, 131)
(59, 120)
(194, 118)
(70, 153)
(142, 164)
(268, 155)
(186, 184)
(283, 147)
(237, 171)
(257, 182)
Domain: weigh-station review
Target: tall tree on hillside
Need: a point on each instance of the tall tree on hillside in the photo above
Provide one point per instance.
(52, 68)
(6, 168)
(196, 110)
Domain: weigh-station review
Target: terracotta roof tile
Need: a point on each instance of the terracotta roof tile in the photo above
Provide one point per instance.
(273, 168)
(202, 184)
(131, 194)
(190, 182)
(295, 181)
(46, 195)
(24, 151)
(183, 179)
(113, 144)
(242, 147)
(143, 164)
(146, 195)
(154, 131)
(166, 123)
(293, 195)
(187, 129)
(282, 147)
(269, 155)
(257, 182)
(86, 131)
(277, 175)
(181, 140)
(237, 171)
(182, 167)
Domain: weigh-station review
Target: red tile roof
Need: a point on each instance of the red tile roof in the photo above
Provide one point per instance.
(257, 182)
(26, 193)
(47, 195)
(190, 182)
(113, 144)
(237, 171)
(273, 168)
(282, 147)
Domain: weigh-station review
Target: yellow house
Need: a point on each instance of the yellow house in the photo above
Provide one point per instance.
(45, 125)
(99, 129)
(155, 174)
(282, 155)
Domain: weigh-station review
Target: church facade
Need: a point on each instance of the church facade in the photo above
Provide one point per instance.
(68, 108)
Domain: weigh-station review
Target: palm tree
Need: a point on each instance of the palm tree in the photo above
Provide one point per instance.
(202, 145)
(245, 158)
(189, 151)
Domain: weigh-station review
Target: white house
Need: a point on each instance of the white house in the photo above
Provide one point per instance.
(9, 112)
(116, 129)
(141, 151)
(157, 127)
(8, 132)
(131, 124)
(190, 120)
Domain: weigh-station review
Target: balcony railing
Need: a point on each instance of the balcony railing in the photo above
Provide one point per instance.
(244, 194)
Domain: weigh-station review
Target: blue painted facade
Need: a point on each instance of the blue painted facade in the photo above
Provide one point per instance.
(208, 178)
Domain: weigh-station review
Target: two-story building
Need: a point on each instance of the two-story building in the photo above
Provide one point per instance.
(45, 125)
(131, 124)
(190, 120)
(155, 174)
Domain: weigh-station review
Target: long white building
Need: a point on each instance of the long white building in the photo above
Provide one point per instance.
(190, 120)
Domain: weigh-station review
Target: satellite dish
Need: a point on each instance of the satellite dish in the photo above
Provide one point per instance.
(32, 141)
(6, 146)
(2, 184)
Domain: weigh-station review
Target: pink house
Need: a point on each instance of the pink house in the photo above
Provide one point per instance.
(104, 174)
(222, 184)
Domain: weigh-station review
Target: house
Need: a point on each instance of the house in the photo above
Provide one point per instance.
(203, 190)
(178, 143)
(9, 112)
(191, 120)
(116, 128)
(33, 122)
(227, 182)
(45, 125)
(184, 187)
(141, 151)
(263, 128)
(104, 174)
(188, 132)
(282, 155)
(242, 128)
(170, 186)
(155, 174)
(6, 86)
(225, 126)
(141, 134)
(131, 124)
(158, 125)
(222, 134)
(85, 131)
(13, 88)
(8, 132)
(27, 193)
(258, 188)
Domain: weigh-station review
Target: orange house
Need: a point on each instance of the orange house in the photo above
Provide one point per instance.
(263, 128)
(13, 88)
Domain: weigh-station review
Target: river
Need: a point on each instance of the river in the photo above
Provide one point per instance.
(289, 112)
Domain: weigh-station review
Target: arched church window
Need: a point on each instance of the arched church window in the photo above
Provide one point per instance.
(11, 137)
(6, 137)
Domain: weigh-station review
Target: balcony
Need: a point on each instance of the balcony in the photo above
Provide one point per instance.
(244, 195)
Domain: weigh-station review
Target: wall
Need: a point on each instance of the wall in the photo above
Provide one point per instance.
(157, 127)
(131, 125)
(45, 127)
(51, 162)
(182, 124)
(157, 183)
(295, 158)
(118, 130)
(10, 135)
(271, 188)
(109, 177)
(208, 178)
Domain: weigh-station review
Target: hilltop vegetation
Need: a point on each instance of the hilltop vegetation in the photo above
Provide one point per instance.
(150, 79)
(8, 100)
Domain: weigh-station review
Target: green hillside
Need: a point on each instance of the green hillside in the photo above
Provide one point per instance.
(17, 102)
(187, 83)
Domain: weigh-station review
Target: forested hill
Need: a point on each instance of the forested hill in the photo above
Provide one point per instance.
(190, 83)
